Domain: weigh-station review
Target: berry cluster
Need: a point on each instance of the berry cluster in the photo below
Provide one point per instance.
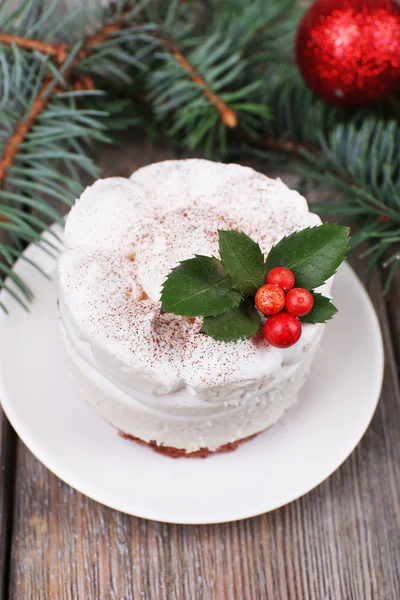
(283, 304)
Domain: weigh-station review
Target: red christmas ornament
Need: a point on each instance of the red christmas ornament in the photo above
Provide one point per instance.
(282, 330)
(349, 50)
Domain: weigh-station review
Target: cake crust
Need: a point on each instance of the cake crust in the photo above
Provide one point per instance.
(181, 452)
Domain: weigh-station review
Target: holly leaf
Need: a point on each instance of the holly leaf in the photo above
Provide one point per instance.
(242, 260)
(313, 254)
(198, 287)
(322, 310)
(241, 322)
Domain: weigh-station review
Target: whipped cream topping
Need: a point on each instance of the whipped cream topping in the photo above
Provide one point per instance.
(124, 236)
(172, 237)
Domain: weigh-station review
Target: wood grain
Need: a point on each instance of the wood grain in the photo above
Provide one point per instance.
(394, 316)
(8, 444)
(339, 542)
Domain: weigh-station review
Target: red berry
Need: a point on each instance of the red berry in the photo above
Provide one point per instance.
(282, 330)
(299, 302)
(282, 277)
(270, 299)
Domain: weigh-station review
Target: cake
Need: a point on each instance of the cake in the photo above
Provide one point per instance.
(153, 375)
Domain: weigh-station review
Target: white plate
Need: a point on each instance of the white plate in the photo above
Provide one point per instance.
(299, 452)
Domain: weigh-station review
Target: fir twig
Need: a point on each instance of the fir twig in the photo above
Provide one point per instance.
(228, 116)
(60, 54)
(41, 81)
(22, 128)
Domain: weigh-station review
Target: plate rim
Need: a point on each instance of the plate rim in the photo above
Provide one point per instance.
(142, 512)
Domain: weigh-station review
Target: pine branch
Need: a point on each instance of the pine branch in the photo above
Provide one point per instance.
(63, 57)
(211, 78)
(349, 152)
(228, 116)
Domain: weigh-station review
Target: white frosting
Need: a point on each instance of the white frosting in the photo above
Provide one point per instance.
(151, 374)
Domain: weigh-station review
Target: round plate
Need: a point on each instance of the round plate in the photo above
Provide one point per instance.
(283, 463)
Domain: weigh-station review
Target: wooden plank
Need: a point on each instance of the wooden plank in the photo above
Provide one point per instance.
(8, 441)
(394, 314)
(339, 541)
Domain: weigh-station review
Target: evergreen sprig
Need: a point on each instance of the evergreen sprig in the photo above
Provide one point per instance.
(210, 75)
(48, 64)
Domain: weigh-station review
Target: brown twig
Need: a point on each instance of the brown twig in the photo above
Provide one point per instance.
(228, 116)
(84, 82)
(277, 145)
(105, 32)
(274, 144)
(22, 128)
(59, 52)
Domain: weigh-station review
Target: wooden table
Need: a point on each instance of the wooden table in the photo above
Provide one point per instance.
(339, 542)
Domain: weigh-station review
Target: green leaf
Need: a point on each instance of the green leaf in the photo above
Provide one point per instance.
(242, 260)
(322, 311)
(241, 322)
(313, 254)
(198, 287)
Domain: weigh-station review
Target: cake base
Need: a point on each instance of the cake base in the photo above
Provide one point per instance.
(181, 452)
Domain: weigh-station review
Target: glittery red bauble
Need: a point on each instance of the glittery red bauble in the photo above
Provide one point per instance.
(349, 50)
